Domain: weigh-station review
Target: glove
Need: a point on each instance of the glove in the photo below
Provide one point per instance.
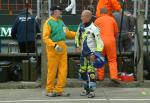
(58, 48)
(65, 29)
(92, 57)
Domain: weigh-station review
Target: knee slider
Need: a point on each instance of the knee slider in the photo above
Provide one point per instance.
(92, 77)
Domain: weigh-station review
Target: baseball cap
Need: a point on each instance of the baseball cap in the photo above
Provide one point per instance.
(55, 8)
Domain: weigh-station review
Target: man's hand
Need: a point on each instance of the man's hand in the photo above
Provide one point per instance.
(58, 48)
(77, 50)
(130, 35)
(92, 58)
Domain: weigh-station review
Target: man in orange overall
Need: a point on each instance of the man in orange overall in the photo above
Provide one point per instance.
(108, 30)
(111, 5)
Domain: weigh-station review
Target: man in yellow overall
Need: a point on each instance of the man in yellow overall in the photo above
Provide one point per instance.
(54, 35)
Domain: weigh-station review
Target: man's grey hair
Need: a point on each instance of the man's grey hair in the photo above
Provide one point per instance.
(104, 11)
(87, 13)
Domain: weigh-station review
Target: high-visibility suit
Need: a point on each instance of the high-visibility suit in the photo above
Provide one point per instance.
(111, 5)
(55, 32)
(108, 30)
(88, 39)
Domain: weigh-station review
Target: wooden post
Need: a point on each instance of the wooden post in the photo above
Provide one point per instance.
(140, 23)
(44, 16)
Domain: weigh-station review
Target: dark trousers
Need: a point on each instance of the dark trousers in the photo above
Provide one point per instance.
(28, 47)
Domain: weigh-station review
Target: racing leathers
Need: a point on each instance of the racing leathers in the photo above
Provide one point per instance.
(89, 41)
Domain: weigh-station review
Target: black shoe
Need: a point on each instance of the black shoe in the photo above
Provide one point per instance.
(51, 94)
(115, 81)
(63, 94)
(91, 95)
(100, 80)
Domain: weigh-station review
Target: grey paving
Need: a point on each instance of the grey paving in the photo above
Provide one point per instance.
(103, 95)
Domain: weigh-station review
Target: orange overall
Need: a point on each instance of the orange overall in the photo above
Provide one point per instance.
(57, 61)
(111, 5)
(109, 29)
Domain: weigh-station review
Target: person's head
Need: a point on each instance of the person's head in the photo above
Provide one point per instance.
(56, 11)
(30, 10)
(104, 11)
(86, 16)
(127, 13)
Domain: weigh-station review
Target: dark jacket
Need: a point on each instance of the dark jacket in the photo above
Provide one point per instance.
(127, 23)
(19, 28)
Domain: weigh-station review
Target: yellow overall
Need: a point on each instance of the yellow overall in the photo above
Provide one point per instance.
(57, 61)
